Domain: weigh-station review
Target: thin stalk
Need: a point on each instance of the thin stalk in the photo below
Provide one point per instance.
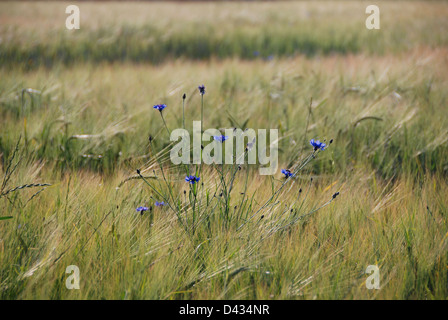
(166, 127)
(183, 111)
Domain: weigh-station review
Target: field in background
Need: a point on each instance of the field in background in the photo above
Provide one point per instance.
(84, 127)
(156, 33)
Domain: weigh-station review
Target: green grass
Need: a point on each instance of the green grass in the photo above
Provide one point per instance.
(239, 30)
(75, 125)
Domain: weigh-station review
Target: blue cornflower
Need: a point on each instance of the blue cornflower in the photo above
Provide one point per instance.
(142, 209)
(160, 204)
(220, 138)
(192, 179)
(201, 89)
(317, 144)
(159, 107)
(287, 173)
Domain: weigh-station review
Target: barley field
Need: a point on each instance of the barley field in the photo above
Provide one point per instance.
(82, 148)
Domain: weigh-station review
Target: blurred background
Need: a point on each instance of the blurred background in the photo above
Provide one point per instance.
(76, 112)
(33, 34)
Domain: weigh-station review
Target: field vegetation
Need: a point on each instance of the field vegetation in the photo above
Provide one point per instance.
(81, 147)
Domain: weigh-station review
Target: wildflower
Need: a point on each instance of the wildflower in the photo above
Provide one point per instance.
(160, 107)
(287, 173)
(317, 144)
(160, 204)
(201, 89)
(141, 209)
(192, 179)
(220, 138)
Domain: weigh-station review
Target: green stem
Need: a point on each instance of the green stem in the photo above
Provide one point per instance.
(166, 127)
(183, 112)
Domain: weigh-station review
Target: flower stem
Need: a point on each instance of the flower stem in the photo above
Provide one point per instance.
(169, 133)
(183, 112)
(202, 112)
